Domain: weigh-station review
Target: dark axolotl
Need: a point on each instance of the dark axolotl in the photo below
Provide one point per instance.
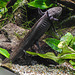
(39, 28)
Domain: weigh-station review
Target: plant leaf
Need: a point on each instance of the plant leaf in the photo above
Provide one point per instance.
(72, 62)
(41, 4)
(67, 38)
(48, 55)
(53, 43)
(4, 52)
(72, 44)
(65, 48)
(32, 53)
(68, 56)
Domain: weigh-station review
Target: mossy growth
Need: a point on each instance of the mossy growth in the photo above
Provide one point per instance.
(21, 36)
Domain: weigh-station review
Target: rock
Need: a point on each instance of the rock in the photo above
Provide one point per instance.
(67, 25)
(69, 22)
(63, 31)
(15, 33)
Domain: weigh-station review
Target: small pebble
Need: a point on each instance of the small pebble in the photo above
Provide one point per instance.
(39, 70)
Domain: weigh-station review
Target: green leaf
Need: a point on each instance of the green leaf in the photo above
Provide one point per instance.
(3, 10)
(42, 4)
(72, 62)
(4, 52)
(60, 61)
(67, 38)
(74, 67)
(53, 43)
(72, 44)
(48, 55)
(0, 15)
(68, 56)
(38, 4)
(3, 3)
(32, 53)
(65, 48)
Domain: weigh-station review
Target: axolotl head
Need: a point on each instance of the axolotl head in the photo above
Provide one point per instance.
(54, 12)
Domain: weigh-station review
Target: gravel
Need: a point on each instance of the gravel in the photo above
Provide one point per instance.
(40, 70)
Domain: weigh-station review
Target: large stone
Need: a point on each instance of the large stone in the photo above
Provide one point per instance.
(63, 31)
(15, 34)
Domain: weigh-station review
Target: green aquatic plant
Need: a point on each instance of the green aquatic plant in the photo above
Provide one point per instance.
(4, 52)
(4, 15)
(65, 47)
(3, 3)
(3, 8)
(42, 4)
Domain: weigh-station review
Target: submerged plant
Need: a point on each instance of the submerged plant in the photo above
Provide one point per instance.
(3, 8)
(42, 4)
(65, 46)
(4, 52)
